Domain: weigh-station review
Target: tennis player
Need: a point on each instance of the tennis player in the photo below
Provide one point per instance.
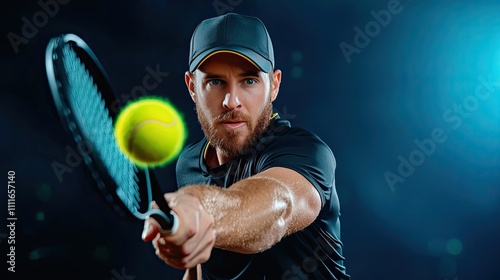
(256, 196)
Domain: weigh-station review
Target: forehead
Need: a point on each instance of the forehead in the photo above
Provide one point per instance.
(224, 62)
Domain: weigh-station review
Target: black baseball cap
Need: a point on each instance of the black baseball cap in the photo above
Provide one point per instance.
(232, 33)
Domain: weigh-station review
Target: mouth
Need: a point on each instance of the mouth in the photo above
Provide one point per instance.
(233, 124)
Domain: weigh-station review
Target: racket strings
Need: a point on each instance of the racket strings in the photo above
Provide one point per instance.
(93, 117)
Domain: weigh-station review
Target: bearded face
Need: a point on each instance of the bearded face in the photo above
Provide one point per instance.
(232, 142)
(233, 101)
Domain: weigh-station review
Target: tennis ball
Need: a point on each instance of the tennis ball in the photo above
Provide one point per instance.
(150, 132)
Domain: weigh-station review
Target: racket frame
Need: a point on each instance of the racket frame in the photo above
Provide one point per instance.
(104, 182)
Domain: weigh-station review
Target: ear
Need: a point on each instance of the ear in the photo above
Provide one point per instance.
(189, 80)
(275, 84)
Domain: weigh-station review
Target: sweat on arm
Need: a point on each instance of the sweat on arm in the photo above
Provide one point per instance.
(255, 213)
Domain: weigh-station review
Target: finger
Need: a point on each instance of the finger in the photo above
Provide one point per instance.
(184, 262)
(154, 205)
(202, 236)
(202, 253)
(169, 197)
(171, 247)
(187, 233)
(196, 245)
(172, 261)
(151, 229)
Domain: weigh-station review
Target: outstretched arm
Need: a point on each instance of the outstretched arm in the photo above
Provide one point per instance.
(249, 217)
(255, 213)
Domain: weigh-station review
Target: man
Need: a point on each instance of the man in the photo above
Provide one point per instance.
(257, 197)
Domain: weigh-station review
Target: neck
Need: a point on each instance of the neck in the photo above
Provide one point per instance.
(215, 157)
(221, 157)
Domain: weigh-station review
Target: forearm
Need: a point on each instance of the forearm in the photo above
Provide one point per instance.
(250, 216)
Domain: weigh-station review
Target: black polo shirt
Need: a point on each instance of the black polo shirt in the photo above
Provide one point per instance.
(312, 253)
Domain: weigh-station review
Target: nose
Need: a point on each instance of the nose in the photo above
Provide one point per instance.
(231, 101)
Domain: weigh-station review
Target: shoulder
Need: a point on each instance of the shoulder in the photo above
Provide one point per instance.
(192, 149)
(300, 150)
(190, 155)
(281, 137)
(188, 168)
(283, 128)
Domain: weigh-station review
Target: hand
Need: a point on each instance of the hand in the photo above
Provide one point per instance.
(192, 242)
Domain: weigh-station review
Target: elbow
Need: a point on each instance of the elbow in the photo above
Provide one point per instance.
(259, 220)
(278, 222)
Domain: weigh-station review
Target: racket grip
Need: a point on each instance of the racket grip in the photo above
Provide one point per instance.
(169, 222)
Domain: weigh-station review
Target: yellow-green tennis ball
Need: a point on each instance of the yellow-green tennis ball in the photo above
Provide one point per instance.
(150, 131)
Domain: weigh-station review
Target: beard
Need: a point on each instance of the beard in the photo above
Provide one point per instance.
(229, 144)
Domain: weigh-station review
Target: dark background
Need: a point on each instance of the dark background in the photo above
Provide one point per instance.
(441, 222)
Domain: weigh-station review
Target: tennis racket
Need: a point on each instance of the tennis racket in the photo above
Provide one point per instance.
(83, 97)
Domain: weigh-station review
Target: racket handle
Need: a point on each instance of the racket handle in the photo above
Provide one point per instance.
(169, 222)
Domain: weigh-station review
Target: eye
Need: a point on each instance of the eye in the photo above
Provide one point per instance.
(250, 81)
(215, 82)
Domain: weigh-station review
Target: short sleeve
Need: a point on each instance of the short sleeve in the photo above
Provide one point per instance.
(306, 154)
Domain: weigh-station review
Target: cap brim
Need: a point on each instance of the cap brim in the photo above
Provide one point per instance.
(257, 60)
